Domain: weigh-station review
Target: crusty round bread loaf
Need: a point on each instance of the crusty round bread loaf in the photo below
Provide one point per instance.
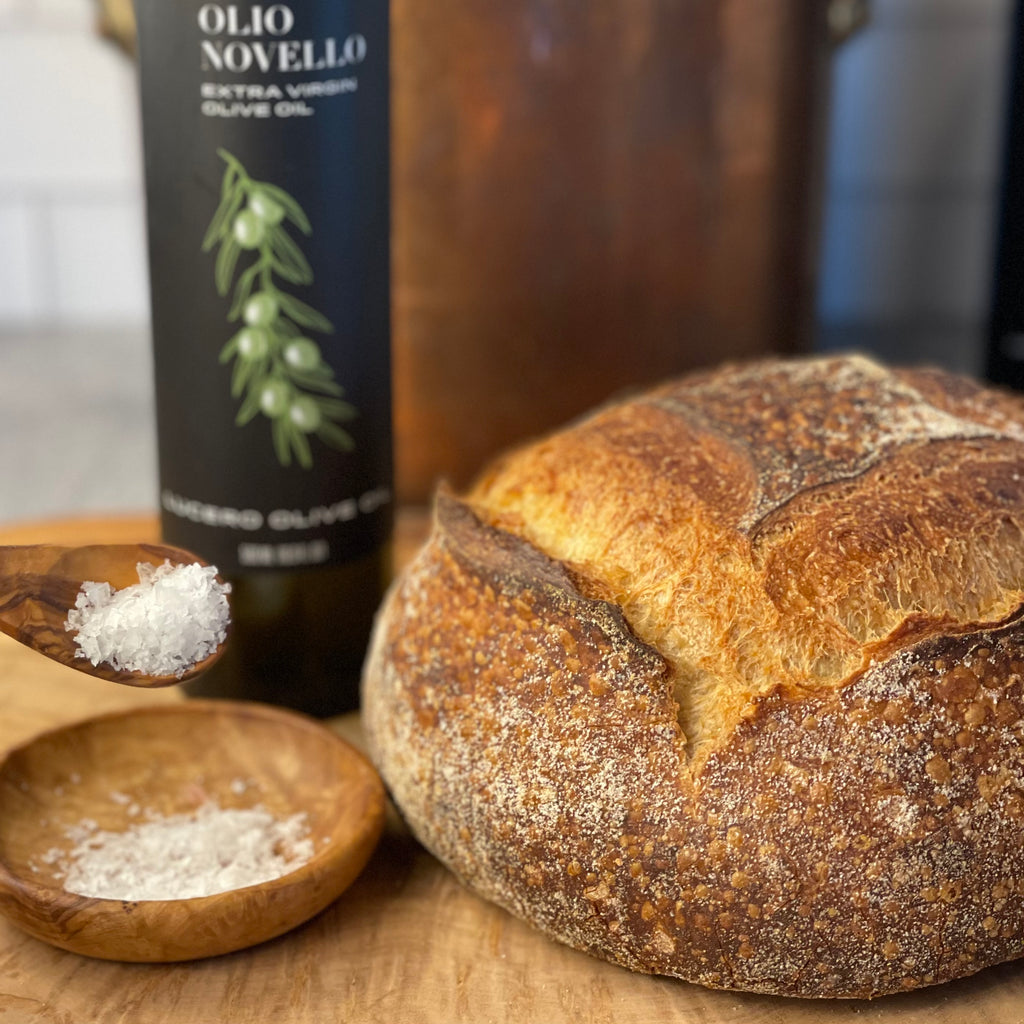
(724, 682)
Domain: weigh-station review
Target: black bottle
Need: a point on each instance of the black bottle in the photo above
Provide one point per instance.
(1004, 362)
(265, 131)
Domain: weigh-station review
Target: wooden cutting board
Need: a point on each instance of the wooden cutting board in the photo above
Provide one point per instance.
(405, 945)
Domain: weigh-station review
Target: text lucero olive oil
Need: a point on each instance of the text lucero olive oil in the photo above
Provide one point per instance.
(265, 131)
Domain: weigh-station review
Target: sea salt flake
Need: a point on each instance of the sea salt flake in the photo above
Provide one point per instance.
(174, 617)
(183, 856)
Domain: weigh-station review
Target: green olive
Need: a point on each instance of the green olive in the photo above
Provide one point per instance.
(302, 354)
(260, 310)
(253, 342)
(275, 398)
(268, 210)
(249, 230)
(305, 413)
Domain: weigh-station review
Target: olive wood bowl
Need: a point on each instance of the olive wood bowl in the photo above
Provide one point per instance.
(169, 759)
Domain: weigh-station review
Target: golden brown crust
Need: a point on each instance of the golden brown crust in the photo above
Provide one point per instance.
(795, 765)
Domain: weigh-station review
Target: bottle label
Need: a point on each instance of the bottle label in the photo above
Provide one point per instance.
(265, 130)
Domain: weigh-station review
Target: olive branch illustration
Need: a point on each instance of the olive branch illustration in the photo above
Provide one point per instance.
(279, 371)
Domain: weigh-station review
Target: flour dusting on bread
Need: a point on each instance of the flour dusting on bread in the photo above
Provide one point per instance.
(726, 681)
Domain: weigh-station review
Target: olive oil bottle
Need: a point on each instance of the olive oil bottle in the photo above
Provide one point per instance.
(266, 143)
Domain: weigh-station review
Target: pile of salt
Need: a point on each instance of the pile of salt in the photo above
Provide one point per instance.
(183, 856)
(174, 617)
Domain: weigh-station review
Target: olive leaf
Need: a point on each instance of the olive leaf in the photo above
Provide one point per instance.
(224, 268)
(231, 174)
(249, 408)
(325, 386)
(335, 436)
(289, 261)
(279, 371)
(242, 375)
(282, 444)
(243, 289)
(227, 353)
(338, 409)
(223, 218)
(300, 445)
(305, 315)
(289, 440)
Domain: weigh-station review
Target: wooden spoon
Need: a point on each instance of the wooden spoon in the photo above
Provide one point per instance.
(40, 582)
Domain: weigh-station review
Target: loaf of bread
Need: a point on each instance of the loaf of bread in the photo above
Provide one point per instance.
(724, 681)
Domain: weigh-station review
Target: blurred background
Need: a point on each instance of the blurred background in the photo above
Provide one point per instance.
(886, 138)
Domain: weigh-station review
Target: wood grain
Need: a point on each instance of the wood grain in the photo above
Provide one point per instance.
(170, 761)
(405, 944)
(39, 583)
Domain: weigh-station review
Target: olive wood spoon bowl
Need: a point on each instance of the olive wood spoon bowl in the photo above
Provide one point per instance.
(40, 582)
(117, 768)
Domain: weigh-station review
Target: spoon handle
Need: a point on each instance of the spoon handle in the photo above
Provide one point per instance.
(32, 599)
(33, 608)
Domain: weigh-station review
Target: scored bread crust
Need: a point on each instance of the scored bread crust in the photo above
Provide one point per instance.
(724, 682)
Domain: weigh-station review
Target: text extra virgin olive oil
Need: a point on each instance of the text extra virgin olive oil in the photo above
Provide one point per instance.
(265, 130)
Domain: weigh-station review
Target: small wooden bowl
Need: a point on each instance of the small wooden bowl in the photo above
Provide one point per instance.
(169, 759)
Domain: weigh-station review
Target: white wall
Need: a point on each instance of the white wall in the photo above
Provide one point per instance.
(912, 176)
(72, 242)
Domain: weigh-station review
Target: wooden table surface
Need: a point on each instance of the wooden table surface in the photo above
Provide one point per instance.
(405, 945)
